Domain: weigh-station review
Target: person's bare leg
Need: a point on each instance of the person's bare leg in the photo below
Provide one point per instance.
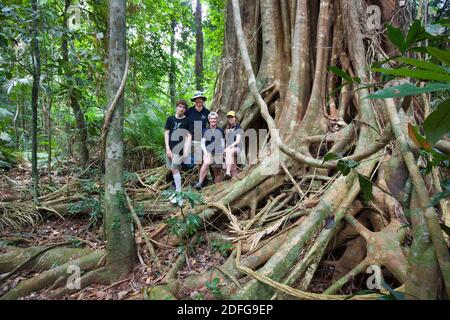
(204, 169)
(229, 157)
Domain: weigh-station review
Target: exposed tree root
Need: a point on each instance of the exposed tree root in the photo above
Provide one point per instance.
(47, 278)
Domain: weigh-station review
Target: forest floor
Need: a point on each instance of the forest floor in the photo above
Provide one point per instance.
(81, 233)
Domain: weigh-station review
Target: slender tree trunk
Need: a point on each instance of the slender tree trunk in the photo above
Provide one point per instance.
(119, 223)
(198, 47)
(46, 110)
(16, 130)
(34, 96)
(73, 99)
(172, 92)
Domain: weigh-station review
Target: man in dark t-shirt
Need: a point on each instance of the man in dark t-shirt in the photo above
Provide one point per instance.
(198, 114)
(177, 139)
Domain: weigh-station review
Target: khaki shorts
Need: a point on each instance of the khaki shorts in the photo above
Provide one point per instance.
(175, 162)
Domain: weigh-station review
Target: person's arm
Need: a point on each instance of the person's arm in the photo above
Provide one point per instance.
(166, 142)
(187, 145)
(203, 144)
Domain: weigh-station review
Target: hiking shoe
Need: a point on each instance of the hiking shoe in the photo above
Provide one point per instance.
(198, 186)
(226, 177)
(180, 203)
(173, 199)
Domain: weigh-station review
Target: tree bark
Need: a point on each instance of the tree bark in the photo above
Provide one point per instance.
(121, 250)
(73, 99)
(198, 47)
(36, 55)
(172, 77)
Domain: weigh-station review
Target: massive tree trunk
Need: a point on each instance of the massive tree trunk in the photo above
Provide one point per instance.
(291, 213)
(198, 47)
(274, 73)
(36, 55)
(120, 247)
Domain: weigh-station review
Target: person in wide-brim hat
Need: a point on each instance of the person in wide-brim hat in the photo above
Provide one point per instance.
(198, 94)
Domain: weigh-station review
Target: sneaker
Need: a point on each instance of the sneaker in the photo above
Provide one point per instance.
(198, 186)
(173, 199)
(180, 202)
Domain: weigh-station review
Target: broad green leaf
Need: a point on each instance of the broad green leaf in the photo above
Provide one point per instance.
(424, 65)
(419, 49)
(417, 138)
(408, 89)
(393, 295)
(366, 187)
(415, 29)
(418, 74)
(397, 38)
(442, 55)
(438, 122)
(341, 73)
(330, 156)
(345, 166)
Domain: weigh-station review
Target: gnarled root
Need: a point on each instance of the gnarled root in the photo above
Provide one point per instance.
(47, 278)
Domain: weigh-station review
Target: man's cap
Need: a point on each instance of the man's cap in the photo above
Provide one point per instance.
(198, 94)
(231, 114)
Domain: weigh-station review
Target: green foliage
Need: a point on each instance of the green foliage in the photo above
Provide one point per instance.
(180, 226)
(441, 195)
(393, 295)
(416, 73)
(366, 187)
(144, 129)
(213, 287)
(437, 124)
(129, 176)
(435, 71)
(330, 156)
(194, 198)
(199, 296)
(139, 209)
(223, 247)
(76, 243)
(408, 89)
(434, 158)
(345, 166)
(93, 205)
(82, 73)
(89, 186)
